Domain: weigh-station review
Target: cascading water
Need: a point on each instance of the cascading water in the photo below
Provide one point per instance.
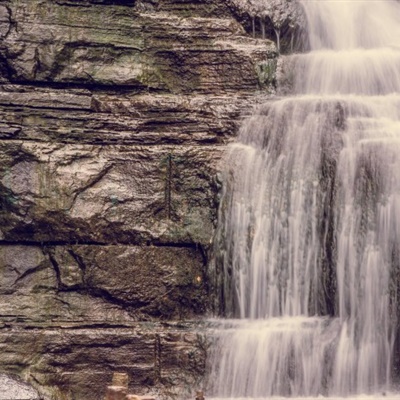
(309, 234)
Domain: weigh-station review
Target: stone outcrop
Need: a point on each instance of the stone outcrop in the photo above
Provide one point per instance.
(118, 390)
(14, 388)
(77, 361)
(114, 116)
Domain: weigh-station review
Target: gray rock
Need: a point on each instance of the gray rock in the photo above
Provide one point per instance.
(5, 22)
(15, 389)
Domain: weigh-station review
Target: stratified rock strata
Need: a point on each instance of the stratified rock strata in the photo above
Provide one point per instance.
(114, 116)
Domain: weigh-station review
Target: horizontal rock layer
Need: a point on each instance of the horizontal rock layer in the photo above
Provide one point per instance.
(66, 361)
(100, 284)
(63, 43)
(107, 194)
(114, 116)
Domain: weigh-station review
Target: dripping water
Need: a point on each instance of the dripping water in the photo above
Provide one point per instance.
(309, 227)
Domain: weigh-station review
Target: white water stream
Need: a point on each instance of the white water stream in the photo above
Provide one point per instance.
(309, 235)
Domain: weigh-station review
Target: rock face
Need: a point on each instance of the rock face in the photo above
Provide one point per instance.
(114, 116)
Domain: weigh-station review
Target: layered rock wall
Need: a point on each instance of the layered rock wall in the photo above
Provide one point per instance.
(114, 116)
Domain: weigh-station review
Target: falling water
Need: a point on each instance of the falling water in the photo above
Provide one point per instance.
(309, 234)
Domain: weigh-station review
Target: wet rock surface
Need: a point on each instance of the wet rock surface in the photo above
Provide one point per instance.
(114, 117)
(78, 361)
(99, 284)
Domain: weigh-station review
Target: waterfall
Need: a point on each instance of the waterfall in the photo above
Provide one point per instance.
(309, 229)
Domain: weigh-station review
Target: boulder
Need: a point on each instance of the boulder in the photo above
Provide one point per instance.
(13, 388)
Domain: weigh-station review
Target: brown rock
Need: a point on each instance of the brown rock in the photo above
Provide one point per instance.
(57, 356)
(120, 379)
(100, 284)
(114, 194)
(141, 50)
(199, 395)
(133, 397)
(116, 393)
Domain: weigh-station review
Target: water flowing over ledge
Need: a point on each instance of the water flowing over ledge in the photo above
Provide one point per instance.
(309, 228)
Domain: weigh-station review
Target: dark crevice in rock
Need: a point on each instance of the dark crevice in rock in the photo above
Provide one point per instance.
(29, 272)
(65, 303)
(203, 253)
(91, 183)
(168, 185)
(7, 71)
(71, 3)
(85, 288)
(38, 107)
(6, 21)
(157, 359)
(55, 266)
(79, 261)
(109, 298)
(16, 153)
(187, 245)
(81, 325)
(97, 87)
(53, 243)
(88, 3)
(36, 381)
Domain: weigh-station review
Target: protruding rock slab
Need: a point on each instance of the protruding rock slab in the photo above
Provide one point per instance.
(113, 194)
(54, 188)
(199, 395)
(120, 379)
(108, 46)
(5, 22)
(69, 361)
(133, 397)
(116, 393)
(100, 284)
(65, 115)
(15, 389)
